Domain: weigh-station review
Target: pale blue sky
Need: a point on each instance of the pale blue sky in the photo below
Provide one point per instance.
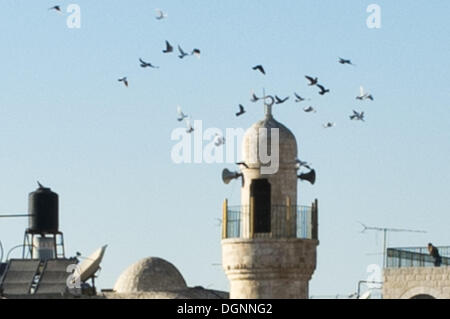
(66, 121)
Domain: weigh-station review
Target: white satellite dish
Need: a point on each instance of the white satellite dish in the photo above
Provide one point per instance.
(366, 295)
(90, 265)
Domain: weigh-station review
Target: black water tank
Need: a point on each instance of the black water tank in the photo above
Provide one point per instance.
(43, 206)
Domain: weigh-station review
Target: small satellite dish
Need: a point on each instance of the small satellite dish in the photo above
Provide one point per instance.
(90, 265)
(366, 295)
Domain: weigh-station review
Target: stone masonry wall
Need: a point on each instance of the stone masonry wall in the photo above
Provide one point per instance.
(406, 283)
(269, 268)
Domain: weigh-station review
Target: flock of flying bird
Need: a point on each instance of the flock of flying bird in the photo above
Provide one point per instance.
(312, 81)
(181, 54)
(168, 49)
(219, 140)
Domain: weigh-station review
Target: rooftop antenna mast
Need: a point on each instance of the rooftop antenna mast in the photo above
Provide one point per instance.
(385, 233)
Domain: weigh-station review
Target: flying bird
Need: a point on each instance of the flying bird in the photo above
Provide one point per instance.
(280, 101)
(161, 15)
(329, 125)
(56, 8)
(241, 110)
(219, 140)
(345, 61)
(358, 116)
(309, 109)
(303, 164)
(168, 48)
(124, 80)
(363, 95)
(189, 129)
(312, 81)
(243, 164)
(260, 69)
(298, 98)
(147, 65)
(181, 115)
(254, 98)
(196, 52)
(182, 53)
(323, 91)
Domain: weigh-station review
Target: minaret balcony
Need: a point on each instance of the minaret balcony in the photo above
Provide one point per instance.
(276, 221)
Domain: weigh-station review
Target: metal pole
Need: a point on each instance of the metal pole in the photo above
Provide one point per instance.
(12, 216)
(1, 256)
(224, 219)
(384, 248)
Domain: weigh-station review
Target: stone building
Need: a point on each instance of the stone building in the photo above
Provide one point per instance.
(410, 274)
(156, 278)
(269, 243)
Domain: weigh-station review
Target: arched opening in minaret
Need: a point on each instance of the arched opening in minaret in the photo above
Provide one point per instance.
(260, 190)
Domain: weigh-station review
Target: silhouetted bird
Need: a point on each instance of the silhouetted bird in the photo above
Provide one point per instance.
(243, 164)
(312, 81)
(303, 164)
(260, 69)
(280, 101)
(329, 125)
(181, 115)
(161, 15)
(219, 140)
(363, 95)
(344, 61)
(323, 91)
(189, 129)
(168, 48)
(147, 65)
(182, 53)
(196, 52)
(254, 98)
(359, 116)
(124, 80)
(241, 110)
(309, 109)
(56, 8)
(298, 98)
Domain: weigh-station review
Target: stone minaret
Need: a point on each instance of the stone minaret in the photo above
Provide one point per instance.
(269, 243)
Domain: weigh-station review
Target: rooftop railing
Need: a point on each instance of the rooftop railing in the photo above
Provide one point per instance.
(288, 221)
(416, 257)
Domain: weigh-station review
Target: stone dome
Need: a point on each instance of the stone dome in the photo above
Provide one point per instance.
(150, 274)
(287, 142)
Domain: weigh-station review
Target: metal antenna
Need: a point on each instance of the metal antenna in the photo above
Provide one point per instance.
(385, 232)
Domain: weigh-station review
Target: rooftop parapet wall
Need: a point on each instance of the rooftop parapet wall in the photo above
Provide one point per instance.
(408, 283)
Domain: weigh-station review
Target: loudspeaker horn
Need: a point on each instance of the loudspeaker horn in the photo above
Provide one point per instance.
(310, 177)
(228, 176)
